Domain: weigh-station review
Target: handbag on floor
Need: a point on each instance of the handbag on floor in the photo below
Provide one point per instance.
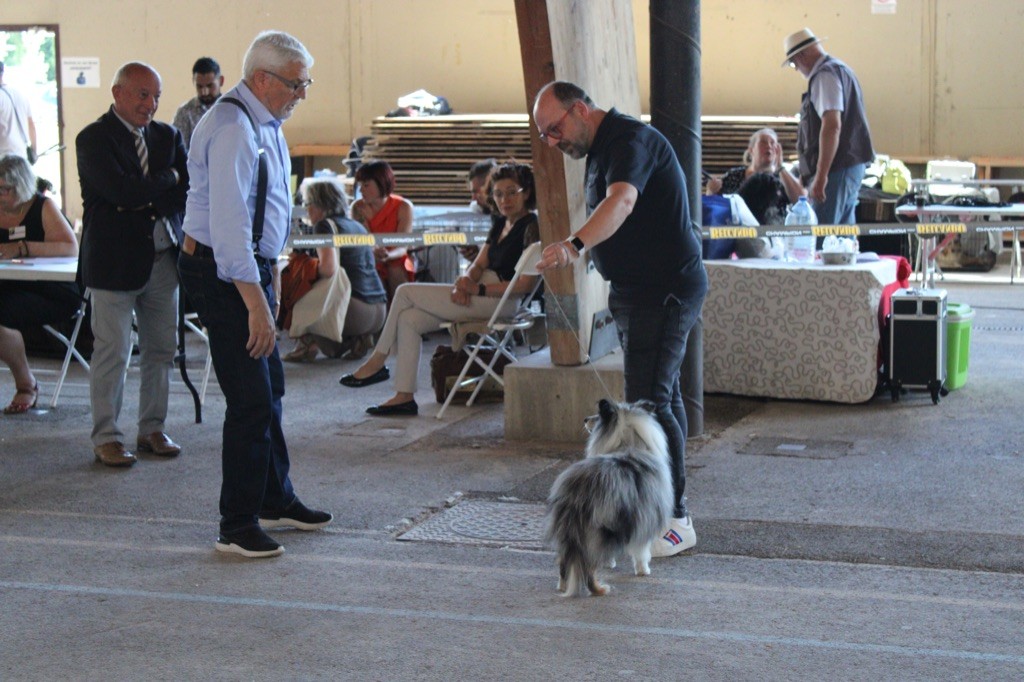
(297, 280)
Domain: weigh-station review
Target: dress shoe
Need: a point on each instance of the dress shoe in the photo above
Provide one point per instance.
(158, 443)
(406, 409)
(113, 454)
(382, 374)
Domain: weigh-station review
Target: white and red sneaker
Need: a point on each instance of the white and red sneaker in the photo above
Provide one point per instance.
(679, 537)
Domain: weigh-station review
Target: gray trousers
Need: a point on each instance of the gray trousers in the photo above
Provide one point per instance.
(156, 312)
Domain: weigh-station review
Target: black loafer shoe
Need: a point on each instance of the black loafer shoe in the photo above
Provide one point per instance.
(406, 409)
(382, 374)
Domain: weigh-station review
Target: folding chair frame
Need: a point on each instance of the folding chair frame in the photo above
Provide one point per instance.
(499, 332)
(71, 351)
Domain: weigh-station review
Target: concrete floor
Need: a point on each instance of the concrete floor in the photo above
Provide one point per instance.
(892, 548)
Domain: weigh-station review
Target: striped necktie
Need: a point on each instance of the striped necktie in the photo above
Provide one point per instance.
(163, 236)
(140, 149)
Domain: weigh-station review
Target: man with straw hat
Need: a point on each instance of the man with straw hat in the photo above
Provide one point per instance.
(833, 140)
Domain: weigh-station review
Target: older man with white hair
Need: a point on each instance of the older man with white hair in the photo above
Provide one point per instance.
(237, 222)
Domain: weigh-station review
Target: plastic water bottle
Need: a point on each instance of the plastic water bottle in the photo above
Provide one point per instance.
(800, 249)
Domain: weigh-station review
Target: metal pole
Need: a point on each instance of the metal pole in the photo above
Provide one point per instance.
(675, 111)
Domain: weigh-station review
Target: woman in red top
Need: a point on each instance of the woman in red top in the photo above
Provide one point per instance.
(382, 211)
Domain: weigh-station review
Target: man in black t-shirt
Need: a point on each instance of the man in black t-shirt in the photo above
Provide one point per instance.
(638, 231)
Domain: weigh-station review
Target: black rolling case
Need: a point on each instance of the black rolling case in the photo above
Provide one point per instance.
(917, 342)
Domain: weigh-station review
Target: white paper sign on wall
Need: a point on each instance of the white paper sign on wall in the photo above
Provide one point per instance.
(80, 72)
(883, 6)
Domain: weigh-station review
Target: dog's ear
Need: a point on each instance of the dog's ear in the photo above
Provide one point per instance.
(646, 405)
(606, 409)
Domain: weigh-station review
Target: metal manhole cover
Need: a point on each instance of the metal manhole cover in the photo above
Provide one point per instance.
(479, 522)
(795, 447)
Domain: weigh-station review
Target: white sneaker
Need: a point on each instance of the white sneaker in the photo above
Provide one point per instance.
(679, 537)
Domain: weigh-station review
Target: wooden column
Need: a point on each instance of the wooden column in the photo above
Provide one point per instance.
(591, 44)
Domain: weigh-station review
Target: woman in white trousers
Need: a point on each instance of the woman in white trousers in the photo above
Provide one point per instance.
(419, 308)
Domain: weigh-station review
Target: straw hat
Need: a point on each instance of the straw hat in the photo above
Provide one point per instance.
(798, 42)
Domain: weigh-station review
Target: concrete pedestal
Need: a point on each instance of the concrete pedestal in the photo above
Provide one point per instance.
(545, 402)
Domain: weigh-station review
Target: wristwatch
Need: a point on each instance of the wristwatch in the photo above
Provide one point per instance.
(577, 244)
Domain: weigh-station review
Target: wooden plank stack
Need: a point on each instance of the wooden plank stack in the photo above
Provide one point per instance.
(432, 154)
(725, 138)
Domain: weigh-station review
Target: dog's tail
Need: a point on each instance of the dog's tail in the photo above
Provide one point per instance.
(568, 531)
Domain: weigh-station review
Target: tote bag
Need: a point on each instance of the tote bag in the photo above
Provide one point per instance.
(322, 310)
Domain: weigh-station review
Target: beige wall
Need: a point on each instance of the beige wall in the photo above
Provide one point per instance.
(941, 77)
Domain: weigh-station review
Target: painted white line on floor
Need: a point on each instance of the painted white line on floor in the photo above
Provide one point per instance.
(378, 563)
(168, 520)
(505, 621)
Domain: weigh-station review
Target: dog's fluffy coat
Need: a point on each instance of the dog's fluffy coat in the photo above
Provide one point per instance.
(618, 499)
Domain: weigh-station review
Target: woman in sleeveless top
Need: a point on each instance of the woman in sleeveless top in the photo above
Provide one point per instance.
(382, 211)
(31, 226)
(420, 307)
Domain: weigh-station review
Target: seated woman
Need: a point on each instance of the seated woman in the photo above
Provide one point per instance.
(420, 308)
(763, 155)
(327, 207)
(31, 226)
(382, 211)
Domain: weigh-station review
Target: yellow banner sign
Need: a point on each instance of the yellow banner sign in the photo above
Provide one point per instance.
(941, 228)
(444, 238)
(354, 240)
(733, 232)
(837, 230)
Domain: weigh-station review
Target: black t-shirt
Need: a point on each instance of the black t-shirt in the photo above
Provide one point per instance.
(656, 252)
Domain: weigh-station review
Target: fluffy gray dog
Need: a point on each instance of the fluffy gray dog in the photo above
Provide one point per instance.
(618, 499)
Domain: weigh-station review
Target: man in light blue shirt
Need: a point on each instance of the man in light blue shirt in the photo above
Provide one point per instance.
(237, 220)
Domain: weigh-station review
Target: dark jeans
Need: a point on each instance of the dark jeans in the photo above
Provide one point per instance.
(254, 455)
(654, 343)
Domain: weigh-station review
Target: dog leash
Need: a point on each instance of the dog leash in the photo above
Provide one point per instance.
(579, 342)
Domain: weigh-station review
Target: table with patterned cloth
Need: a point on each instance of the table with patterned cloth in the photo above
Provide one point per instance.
(791, 330)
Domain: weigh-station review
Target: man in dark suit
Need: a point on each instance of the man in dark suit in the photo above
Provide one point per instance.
(134, 182)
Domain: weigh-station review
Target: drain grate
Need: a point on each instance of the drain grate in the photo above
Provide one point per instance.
(998, 328)
(484, 523)
(795, 447)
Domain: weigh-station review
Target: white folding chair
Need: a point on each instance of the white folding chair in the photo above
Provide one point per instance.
(190, 322)
(495, 334)
(71, 351)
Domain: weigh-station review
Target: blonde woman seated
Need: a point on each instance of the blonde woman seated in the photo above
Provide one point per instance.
(327, 207)
(763, 155)
(420, 308)
(31, 226)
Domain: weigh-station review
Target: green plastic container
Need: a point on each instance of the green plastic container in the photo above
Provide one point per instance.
(958, 343)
